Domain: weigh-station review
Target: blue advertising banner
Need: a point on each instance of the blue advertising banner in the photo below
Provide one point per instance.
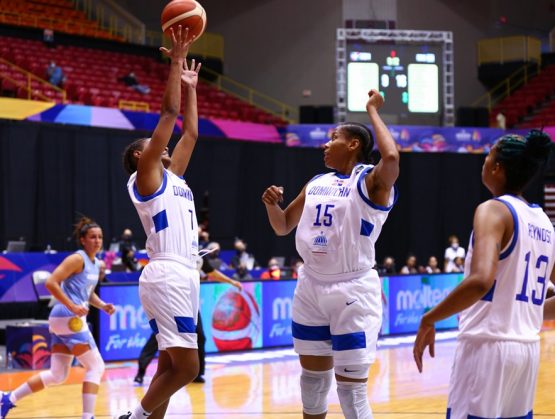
(410, 138)
(123, 334)
(410, 296)
(277, 303)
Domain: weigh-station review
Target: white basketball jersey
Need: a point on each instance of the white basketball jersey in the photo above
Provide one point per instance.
(339, 225)
(513, 308)
(169, 219)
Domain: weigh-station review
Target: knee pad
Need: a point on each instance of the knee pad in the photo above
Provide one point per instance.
(93, 363)
(59, 369)
(353, 399)
(358, 372)
(315, 386)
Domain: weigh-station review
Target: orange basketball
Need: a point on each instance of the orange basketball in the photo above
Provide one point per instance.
(187, 13)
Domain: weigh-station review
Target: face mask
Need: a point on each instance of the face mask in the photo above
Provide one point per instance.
(455, 246)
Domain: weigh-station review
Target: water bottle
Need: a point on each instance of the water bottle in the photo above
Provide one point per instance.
(9, 360)
(48, 249)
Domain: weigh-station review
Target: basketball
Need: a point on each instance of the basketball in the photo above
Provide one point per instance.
(236, 321)
(187, 13)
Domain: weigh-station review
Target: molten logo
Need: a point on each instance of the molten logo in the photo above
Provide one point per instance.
(128, 317)
(427, 297)
(282, 309)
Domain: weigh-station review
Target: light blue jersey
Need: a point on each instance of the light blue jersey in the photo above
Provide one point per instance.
(65, 327)
(79, 287)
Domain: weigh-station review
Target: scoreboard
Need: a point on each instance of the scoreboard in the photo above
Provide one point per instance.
(409, 76)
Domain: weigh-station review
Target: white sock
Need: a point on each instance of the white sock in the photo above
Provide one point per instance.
(89, 401)
(140, 413)
(20, 392)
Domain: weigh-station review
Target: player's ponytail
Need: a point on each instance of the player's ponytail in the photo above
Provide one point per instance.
(522, 157)
(128, 159)
(364, 135)
(538, 146)
(81, 228)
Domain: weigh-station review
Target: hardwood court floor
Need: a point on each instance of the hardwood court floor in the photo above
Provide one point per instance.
(245, 386)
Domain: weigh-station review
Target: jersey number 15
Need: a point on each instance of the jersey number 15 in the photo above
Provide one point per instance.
(324, 217)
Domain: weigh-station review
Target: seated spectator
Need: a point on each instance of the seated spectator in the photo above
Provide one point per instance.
(242, 274)
(242, 257)
(54, 74)
(453, 251)
(203, 238)
(458, 264)
(297, 263)
(214, 256)
(387, 267)
(102, 271)
(48, 38)
(127, 249)
(273, 272)
(432, 267)
(131, 81)
(410, 266)
(501, 120)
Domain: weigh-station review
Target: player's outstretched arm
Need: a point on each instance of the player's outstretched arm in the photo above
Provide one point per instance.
(380, 181)
(149, 168)
(283, 221)
(184, 148)
(491, 220)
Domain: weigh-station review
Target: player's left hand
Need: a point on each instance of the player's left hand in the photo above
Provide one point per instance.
(237, 285)
(375, 100)
(426, 337)
(189, 76)
(109, 308)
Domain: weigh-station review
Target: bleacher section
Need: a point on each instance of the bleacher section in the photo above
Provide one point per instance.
(58, 15)
(92, 79)
(532, 105)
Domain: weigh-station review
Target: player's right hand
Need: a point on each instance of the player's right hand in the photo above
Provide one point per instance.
(375, 100)
(425, 338)
(273, 195)
(79, 310)
(180, 44)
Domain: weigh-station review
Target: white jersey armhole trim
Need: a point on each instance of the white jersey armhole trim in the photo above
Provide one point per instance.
(512, 243)
(147, 198)
(363, 192)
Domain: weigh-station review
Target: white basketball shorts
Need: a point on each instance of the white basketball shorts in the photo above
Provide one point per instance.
(169, 293)
(339, 319)
(493, 380)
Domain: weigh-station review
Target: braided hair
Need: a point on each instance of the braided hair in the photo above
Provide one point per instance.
(522, 157)
(129, 161)
(364, 135)
(82, 227)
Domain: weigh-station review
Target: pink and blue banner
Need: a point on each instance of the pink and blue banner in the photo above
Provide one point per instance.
(96, 116)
